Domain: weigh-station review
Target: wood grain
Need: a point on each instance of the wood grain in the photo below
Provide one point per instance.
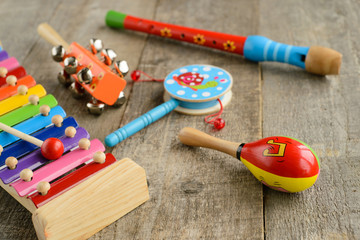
(200, 193)
(320, 111)
(86, 209)
(195, 193)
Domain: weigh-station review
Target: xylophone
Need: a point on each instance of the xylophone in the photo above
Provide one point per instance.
(84, 71)
(193, 89)
(281, 163)
(314, 59)
(78, 194)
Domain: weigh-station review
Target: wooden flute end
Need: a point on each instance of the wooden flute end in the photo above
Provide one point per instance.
(323, 61)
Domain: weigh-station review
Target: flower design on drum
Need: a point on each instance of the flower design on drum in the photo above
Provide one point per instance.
(229, 46)
(199, 39)
(165, 32)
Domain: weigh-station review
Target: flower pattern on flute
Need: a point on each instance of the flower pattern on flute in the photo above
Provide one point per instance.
(165, 32)
(199, 39)
(229, 46)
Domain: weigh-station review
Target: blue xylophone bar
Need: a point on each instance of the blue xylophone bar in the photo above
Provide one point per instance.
(21, 148)
(31, 125)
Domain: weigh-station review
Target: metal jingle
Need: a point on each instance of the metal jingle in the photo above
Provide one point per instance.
(70, 65)
(95, 107)
(58, 53)
(96, 45)
(77, 90)
(121, 67)
(108, 55)
(85, 76)
(120, 101)
(65, 79)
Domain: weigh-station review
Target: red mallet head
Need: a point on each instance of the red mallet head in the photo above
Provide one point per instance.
(52, 148)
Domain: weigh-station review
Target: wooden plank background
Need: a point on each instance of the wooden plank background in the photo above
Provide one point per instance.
(198, 193)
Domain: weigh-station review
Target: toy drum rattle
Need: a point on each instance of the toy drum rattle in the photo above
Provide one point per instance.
(193, 90)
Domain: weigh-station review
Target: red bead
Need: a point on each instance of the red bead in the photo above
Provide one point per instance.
(52, 148)
(219, 123)
(135, 75)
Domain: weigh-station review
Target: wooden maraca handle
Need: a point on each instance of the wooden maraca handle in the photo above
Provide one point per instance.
(50, 35)
(193, 137)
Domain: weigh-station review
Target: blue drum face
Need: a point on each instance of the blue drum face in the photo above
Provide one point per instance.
(198, 83)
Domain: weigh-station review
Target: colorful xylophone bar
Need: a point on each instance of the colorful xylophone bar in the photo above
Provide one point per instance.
(82, 184)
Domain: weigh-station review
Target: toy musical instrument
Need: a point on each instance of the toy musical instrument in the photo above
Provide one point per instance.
(281, 163)
(91, 74)
(51, 148)
(192, 89)
(315, 59)
(80, 192)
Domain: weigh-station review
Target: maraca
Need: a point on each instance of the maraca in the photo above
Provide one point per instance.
(281, 163)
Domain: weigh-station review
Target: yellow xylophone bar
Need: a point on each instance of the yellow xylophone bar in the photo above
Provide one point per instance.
(19, 100)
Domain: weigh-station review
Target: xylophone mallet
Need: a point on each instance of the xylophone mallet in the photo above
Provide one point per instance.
(51, 148)
(11, 162)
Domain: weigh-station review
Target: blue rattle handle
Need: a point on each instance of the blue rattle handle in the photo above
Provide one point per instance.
(259, 48)
(141, 122)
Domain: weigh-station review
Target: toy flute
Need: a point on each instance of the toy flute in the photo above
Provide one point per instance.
(315, 59)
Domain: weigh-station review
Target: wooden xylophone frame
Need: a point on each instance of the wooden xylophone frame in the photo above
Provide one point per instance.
(82, 202)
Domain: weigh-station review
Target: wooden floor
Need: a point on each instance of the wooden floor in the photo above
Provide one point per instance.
(198, 193)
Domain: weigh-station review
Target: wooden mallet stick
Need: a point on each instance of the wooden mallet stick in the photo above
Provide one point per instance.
(51, 148)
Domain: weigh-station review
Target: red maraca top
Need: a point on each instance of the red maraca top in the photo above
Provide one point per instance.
(282, 156)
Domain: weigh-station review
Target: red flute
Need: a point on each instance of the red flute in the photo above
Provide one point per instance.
(315, 59)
